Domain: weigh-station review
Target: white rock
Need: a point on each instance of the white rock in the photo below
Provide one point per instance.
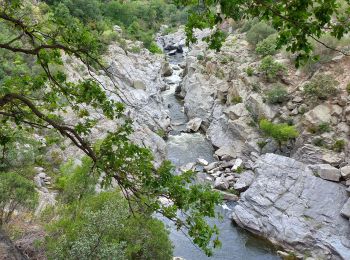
(202, 161)
(194, 124)
(345, 172)
(221, 183)
(188, 167)
(238, 163)
(42, 175)
(211, 166)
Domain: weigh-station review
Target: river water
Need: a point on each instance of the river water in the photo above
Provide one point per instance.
(184, 148)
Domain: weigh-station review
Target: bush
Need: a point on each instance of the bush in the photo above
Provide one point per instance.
(338, 145)
(75, 181)
(277, 95)
(16, 192)
(236, 99)
(280, 132)
(250, 71)
(348, 88)
(271, 68)
(321, 87)
(154, 48)
(259, 32)
(267, 46)
(248, 24)
(102, 227)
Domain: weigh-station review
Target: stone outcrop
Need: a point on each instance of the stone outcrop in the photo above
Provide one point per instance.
(292, 207)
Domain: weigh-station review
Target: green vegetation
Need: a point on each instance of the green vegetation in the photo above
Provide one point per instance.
(348, 88)
(259, 32)
(339, 145)
(100, 226)
(282, 133)
(267, 46)
(277, 94)
(36, 93)
(321, 87)
(16, 192)
(236, 99)
(320, 129)
(139, 19)
(250, 71)
(271, 68)
(298, 22)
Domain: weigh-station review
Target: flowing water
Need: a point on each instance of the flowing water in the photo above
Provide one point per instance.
(184, 148)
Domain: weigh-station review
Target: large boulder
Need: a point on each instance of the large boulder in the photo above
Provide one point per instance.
(326, 171)
(244, 181)
(319, 114)
(290, 206)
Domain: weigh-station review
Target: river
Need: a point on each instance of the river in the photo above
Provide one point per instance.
(185, 148)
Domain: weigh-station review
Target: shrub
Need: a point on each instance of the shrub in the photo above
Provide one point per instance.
(267, 46)
(280, 132)
(338, 145)
(154, 48)
(348, 88)
(248, 24)
(15, 192)
(324, 127)
(236, 99)
(259, 32)
(321, 87)
(75, 181)
(250, 71)
(261, 144)
(271, 68)
(102, 227)
(200, 57)
(319, 142)
(277, 95)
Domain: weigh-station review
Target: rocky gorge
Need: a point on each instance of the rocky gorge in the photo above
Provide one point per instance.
(296, 196)
(200, 109)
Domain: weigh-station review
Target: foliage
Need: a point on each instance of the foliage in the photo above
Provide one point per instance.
(282, 133)
(16, 193)
(271, 68)
(140, 18)
(339, 145)
(101, 227)
(75, 182)
(248, 24)
(322, 86)
(298, 22)
(267, 46)
(319, 142)
(250, 71)
(259, 32)
(277, 95)
(37, 93)
(154, 48)
(236, 99)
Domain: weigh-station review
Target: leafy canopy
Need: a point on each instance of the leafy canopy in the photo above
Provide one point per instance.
(35, 93)
(16, 192)
(298, 22)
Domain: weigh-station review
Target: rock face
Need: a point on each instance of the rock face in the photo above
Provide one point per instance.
(326, 171)
(290, 206)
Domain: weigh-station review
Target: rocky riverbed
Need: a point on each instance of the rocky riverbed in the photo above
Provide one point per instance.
(297, 197)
